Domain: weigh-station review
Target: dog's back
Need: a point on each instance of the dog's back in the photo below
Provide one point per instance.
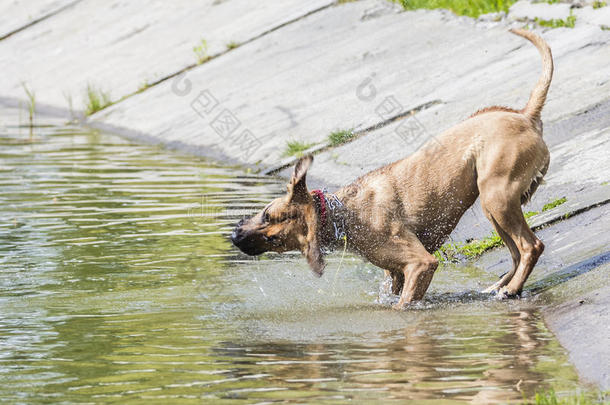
(448, 171)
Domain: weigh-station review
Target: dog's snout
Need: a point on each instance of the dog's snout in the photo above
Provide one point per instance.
(248, 238)
(236, 235)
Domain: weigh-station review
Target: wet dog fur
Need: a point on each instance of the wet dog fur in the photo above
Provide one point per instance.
(398, 215)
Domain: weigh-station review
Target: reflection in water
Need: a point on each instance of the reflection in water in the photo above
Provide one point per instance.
(118, 284)
(479, 357)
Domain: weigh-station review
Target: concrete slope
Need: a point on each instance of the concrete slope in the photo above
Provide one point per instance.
(17, 15)
(580, 80)
(121, 46)
(315, 76)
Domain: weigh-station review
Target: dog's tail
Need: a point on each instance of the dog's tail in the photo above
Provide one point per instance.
(538, 96)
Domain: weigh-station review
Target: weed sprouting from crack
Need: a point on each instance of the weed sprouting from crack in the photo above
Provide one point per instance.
(31, 105)
(96, 99)
(296, 148)
(340, 137)
(553, 204)
(201, 51)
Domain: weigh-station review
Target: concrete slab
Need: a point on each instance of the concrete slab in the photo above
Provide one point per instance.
(483, 87)
(525, 10)
(16, 15)
(312, 77)
(594, 16)
(119, 46)
(582, 326)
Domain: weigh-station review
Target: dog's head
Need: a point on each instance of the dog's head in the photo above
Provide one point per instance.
(286, 223)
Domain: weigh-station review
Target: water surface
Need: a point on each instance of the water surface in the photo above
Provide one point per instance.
(118, 284)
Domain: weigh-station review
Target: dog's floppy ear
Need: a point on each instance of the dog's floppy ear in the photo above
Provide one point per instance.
(315, 258)
(297, 188)
(297, 192)
(310, 245)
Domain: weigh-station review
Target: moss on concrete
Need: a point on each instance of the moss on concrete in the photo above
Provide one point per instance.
(553, 204)
(470, 250)
(340, 137)
(470, 8)
(296, 148)
(569, 22)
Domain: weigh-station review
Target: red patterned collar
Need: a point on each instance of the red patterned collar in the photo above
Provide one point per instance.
(322, 204)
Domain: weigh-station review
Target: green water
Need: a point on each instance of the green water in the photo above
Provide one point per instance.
(118, 284)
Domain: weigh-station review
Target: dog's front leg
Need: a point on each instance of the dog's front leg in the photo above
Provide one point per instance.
(418, 275)
(386, 284)
(398, 281)
(411, 267)
(418, 271)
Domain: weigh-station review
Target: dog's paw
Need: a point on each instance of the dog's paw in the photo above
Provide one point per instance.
(505, 293)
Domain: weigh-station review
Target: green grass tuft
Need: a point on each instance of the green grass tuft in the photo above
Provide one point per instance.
(554, 204)
(568, 22)
(551, 398)
(95, 100)
(31, 104)
(470, 8)
(477, 247)
(599, 4)
(296, 148)
(201, 51)
(340, 137)
(527, 215)
(232, 45)
(451, 252)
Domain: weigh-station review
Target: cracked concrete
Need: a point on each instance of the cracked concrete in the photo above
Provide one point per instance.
(316, 75)
(18, 15)
(523, 9)
(121, 46)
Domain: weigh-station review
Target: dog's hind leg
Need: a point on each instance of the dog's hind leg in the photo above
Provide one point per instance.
(514, 252)
(530, 248)
(503, 202)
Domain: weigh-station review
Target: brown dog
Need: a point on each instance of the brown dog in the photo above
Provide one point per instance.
(398, 215)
